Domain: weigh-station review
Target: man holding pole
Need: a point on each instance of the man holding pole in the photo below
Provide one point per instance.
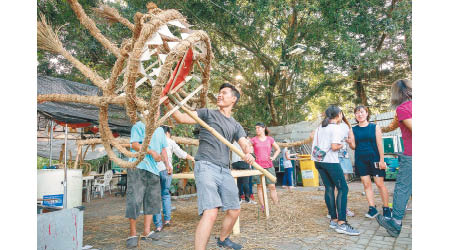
(215, 186)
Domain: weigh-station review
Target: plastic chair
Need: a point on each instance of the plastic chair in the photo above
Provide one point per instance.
(122, 185)
(101, 185)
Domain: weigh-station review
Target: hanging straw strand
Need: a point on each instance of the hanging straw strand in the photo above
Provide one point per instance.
(112, 16)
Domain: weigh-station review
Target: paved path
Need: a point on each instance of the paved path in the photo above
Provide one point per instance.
(106, 227)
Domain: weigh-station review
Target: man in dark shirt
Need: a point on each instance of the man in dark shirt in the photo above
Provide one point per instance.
(216, 187)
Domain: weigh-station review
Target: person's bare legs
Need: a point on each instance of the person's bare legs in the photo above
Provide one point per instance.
(228, 223)
(379, 181)
(273, 193)
(132, 227)
(368, 189)
(204, 228)
(147, 223)
(260, 195)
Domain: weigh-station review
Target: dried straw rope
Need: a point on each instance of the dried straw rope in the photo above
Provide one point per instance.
(48, 40)
(125, 141)
(92, 28)
(112, 16)
(133, 63)
(118, 67)
(392, 126)
(129, 52)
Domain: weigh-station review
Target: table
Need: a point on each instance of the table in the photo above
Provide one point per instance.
(236, 174)
(88, 179)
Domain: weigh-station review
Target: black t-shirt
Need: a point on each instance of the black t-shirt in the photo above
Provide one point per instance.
(210, 148)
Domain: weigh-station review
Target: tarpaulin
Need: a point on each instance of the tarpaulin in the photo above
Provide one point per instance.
(73, 113)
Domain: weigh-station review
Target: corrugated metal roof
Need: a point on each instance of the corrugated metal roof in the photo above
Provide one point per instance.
(293, 132)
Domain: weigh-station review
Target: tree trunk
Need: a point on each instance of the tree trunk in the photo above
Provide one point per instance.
(361, 97)
(273, 81)
(272, 110)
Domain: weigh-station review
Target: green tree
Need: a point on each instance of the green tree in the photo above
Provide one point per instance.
(352, 50)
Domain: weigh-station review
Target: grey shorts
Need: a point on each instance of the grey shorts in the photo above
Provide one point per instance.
(143, 189)
(215, 187)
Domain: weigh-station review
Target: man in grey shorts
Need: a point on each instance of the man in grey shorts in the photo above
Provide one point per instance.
(215, 185)
(143, 188)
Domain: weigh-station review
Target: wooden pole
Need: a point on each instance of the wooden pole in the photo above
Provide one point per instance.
(266, 199)
(77, 158)
(236, 226)
(221, 138)
(65, 169)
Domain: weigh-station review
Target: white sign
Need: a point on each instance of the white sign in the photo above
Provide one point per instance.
(307, 174)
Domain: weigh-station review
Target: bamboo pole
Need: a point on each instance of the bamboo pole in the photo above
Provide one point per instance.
(51, 145)
(65, 169)
(236, 226)
(266, 199)
(222, 139)
(77, 158)
(182, 102)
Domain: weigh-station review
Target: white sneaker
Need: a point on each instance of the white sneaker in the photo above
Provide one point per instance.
(328, 216)
(333, 224)
(252, 202)
(346, 229)
(350, 213)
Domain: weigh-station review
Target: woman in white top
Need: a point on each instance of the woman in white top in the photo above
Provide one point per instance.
(288, 168)
(344, 158)
(326, 144)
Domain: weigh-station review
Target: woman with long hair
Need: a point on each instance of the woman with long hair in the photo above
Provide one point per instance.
(326, 144)
(367, 142)
(262, 145)
(401, 100)
(344, 158)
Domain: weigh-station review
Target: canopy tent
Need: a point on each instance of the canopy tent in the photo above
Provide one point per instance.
(78, 113)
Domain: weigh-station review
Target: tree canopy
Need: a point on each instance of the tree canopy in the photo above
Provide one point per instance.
(290, 59)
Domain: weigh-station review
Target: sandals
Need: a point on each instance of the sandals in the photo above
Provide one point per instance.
(167, 224)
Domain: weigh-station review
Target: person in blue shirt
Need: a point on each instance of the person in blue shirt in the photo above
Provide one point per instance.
(143, 187)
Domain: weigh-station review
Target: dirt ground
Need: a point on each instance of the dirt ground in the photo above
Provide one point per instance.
(298, 222)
